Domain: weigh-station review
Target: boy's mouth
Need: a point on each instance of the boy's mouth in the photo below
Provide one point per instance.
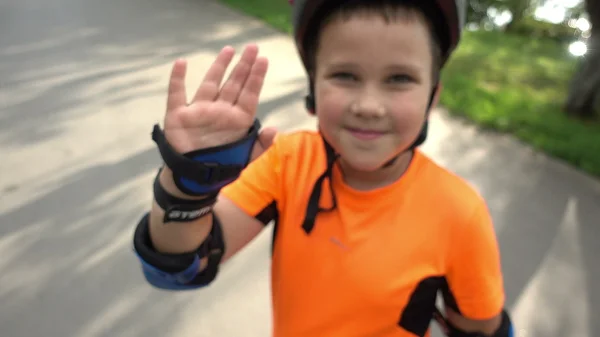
(365, 134)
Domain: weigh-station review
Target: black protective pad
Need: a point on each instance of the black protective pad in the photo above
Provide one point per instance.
(505, 329)
(179, 271)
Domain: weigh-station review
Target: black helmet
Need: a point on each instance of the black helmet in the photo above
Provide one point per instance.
(450, 19)
(447, 18)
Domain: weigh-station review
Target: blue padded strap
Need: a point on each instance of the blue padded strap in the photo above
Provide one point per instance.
(179, 271)
(206, 171)
(172, 281)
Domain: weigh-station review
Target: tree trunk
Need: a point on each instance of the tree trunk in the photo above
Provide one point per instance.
(518, 10)
(584, 95)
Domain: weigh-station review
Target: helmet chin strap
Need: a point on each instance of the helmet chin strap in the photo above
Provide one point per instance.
(313, 207)
(309, 102)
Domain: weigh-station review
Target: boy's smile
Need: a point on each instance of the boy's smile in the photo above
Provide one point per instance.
(365, 134)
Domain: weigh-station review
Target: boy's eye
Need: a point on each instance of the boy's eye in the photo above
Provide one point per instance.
(344, 76)
(394, 79)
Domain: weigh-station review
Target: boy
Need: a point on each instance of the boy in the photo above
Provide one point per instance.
(367, 228)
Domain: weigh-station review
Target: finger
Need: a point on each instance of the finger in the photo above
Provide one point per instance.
(264, 141)
(232, 88)
(248, 99)
(209, 88)
(257, 150)
(176, 96)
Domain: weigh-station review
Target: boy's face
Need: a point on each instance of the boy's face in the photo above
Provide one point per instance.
(373, 82)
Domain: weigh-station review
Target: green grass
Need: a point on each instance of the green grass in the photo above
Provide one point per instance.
(518, 86)
(501, 82)
(276, 13)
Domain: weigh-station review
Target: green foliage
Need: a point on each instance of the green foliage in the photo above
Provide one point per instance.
(505, 82)
(536, 29)
(276, 13)
(515, 85)
(477, 9)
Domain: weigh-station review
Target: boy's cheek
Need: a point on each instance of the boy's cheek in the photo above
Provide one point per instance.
(407, 113)
(328, 123)
(331, 107)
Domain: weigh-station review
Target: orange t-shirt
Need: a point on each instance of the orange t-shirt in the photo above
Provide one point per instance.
(374, 265)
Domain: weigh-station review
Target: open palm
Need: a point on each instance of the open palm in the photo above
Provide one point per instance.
(217, 115)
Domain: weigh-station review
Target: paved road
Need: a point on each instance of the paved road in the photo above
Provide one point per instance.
(83, 81)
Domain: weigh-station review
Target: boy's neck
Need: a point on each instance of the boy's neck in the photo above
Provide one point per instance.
(364, 181)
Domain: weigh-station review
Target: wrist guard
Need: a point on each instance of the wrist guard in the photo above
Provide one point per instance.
(208, 170)
(181, 210)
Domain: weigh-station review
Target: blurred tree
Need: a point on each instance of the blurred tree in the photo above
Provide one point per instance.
(584, 93)
(477, 10)
(576, 11)
(519, 9)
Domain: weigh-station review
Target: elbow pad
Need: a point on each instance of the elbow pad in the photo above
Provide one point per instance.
(179, 271)
(505, 329)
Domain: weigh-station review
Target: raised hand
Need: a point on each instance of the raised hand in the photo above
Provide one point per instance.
(217, 114)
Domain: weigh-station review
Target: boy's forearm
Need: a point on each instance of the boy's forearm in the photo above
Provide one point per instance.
(175, 238)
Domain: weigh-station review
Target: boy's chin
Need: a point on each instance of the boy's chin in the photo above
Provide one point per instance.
(366, 164)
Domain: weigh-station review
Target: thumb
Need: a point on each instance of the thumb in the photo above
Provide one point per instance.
(267, 136)
(264, 141)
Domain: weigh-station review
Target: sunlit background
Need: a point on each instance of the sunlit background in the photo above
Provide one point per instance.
(554, 11)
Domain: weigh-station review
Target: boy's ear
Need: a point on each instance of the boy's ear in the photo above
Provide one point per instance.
(310, 97)
(437, 94)
(309, 103)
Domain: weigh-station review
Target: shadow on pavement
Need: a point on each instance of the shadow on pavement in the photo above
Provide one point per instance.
(59, 57)
(67, 253)
(72, 246)
(67, 268)
(546, 216)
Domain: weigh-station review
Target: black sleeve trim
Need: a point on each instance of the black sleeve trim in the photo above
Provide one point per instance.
(449, 299)
(268, 214)
(419, 310)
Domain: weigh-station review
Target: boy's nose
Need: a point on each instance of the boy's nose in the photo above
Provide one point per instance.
(368, 106)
